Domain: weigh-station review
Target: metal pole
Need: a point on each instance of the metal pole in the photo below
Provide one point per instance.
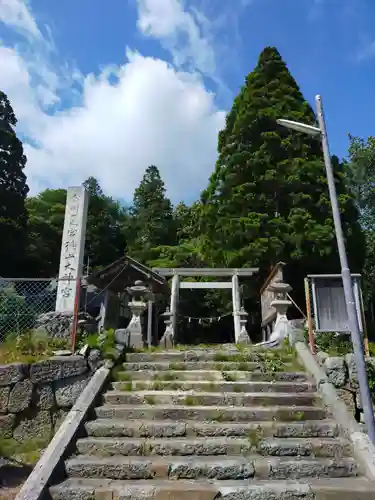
(347, 282)
(309, 318)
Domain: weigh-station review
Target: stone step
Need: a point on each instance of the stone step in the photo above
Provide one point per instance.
(254, 443)
(217, 386)
(193, 398)
(208, 413)
(218, 355)
(212, 375)
(357, 488)
(207, 365)
(171, 429)
(220, 468)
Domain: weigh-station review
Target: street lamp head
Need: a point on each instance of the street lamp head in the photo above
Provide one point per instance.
(299, 127)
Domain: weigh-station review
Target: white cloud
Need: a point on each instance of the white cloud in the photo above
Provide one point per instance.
(184, 33)
(154, 113)
(16, 14)
(366, 51)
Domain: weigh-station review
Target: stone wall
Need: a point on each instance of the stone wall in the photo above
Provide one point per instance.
(342, 373)
(35, 398)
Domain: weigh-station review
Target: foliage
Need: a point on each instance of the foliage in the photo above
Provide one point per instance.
(104, 342)
(333, 343)
(370, 369)
(107, 224)
(360, 177)
(45, 228)
(29, 347)
(27, 452)
(267, 199)
(152, 218)
(16, 313)
(13, 192)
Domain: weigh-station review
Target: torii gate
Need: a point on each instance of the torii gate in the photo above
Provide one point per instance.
(177, 273)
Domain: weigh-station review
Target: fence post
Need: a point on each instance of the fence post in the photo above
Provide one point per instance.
(309, 318)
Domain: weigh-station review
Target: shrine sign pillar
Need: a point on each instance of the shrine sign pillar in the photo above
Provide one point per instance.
(72, 248)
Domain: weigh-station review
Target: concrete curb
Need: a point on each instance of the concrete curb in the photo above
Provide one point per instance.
(36, 483)
(363, 449)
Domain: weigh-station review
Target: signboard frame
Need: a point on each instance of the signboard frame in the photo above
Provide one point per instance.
(325, 324)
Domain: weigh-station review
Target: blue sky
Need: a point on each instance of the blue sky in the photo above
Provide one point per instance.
(106, 88)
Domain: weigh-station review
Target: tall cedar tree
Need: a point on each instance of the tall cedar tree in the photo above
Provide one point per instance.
(152, 212)
(107, 225)
(267, 199)
(13, 192)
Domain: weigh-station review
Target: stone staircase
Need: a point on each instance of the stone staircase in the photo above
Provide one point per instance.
(209, 422)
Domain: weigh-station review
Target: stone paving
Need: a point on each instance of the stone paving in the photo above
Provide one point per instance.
(213, 422)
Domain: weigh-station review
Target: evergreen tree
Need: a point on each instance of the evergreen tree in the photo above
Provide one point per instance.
(45, 229)
(360, 177)
(13, 192)
(106, 230)
(107, 223)
(267, 199)
(153, 224)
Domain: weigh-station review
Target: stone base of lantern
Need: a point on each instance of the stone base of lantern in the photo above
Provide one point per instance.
(244, 338)
(129, 339)
(167, 339)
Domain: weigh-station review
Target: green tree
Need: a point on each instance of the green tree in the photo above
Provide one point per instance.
(107, 224)
(105, 234)
(13, 192)
(267, 199)
(360, 176)
(152, 217)
(45, 228)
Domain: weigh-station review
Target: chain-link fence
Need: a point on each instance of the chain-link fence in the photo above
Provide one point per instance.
(23, 301)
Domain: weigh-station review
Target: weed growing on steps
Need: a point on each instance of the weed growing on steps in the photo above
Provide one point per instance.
(212, 387)
(234, 358)
(165, 376)
(229, 377)
(146, 448)
(127, 386)
(218, 416)
(191, 401)
(255, 436)
(140, 386)
(286, 416)
(118, 374)
(150, 400)
(243, 367)
(177, 366)
(157, 386)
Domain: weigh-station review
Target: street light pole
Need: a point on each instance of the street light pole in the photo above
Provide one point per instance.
(353, 323)
(347, 281)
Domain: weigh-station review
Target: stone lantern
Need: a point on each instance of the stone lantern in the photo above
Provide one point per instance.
(244, 336)
(167, 339)
(281, 304)
(132, 336)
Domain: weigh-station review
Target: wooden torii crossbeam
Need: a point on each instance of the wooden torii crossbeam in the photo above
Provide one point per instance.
(177, 273)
